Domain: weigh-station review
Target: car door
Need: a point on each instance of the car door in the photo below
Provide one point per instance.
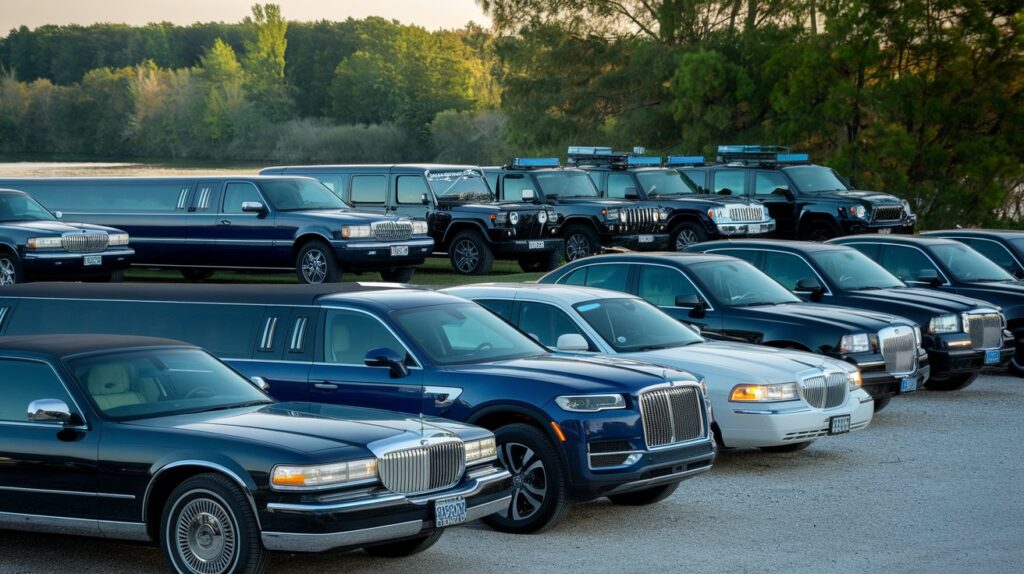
(773, 190)
(369, 192)
(546, 323)
(240, 238)
(663, 286)
(909, 263)
(45, 468)
(409, 191)
(203, 217)
(341, 376)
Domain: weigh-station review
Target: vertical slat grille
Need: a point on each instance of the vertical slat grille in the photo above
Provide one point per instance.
(746, 213)
(88, 242)
(986, 330)
(392, 230)
(423, 469)
(899, 349)
(887, 213)
(671, 415)
(640, 218)
(825, 390)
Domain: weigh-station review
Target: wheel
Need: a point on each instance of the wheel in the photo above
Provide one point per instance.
(116, 276)
(954, 383)
(645, 496)
(580, 241)
(197, 274)
(404, 547)
(10, 269)
(1015, 369)
(316, 264)
(400, 275)
(540, 498)
(686, 234)
(209, 527)
(791, 447)
(881, 403)
(470, 254)
(541, 261)
(820, 231)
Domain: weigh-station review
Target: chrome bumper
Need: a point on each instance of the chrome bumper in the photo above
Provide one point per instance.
(744, 228)
(50, 255)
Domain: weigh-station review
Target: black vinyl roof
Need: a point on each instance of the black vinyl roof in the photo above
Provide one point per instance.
(57, 346)
(244, 293)
(787, 244)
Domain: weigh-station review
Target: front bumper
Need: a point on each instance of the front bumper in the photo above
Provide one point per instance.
(369, 255)
(527, 246)
(856, 226)
(746, 229)
(654, 467)
(879, 383)
(950, 358)
(637, 241)
(753, 425)
(51, 263)
(323, 523)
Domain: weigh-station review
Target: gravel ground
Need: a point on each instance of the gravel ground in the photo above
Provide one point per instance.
(934, 484)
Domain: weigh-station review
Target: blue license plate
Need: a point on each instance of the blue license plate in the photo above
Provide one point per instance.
(449, 512)
(908, 385)
(992, 357)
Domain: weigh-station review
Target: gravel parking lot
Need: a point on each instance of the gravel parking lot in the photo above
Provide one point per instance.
(934, 484)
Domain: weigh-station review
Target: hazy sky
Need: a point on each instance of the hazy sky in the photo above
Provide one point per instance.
(430, 14)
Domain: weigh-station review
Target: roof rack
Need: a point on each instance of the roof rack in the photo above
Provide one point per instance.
(606, 157)
(533, 162)
(759, 155)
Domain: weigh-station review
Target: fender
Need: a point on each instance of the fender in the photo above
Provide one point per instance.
(321, 231)
(528, 411)
(807, 217)
(12, 247)
(462, 225)
(581, 220)
(691, 215)
(214, 461)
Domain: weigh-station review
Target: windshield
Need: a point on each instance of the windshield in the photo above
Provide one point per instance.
(300, 194)
(566, 184)
(18, 207)
(159, 382)
(815, 179)
(663, 182)
(459, 185)
(967, 264)
(465, 333)
(740, 284)
(852, 270)
(1018, 243)
(630, 325)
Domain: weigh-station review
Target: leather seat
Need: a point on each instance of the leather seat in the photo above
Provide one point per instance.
(111, 387)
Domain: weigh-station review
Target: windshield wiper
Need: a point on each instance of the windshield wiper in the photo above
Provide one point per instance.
(234, 406)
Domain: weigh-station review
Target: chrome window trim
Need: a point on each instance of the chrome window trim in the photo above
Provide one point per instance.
(60, 379)
(182, 196)
(172, 302)
(3, 315)
(938, 268)
(298, 340)
(203, 464)
(821, 280)
(267, 340)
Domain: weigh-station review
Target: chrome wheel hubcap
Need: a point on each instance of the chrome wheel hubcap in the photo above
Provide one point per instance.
(205, 537)
(314, 266)
(7, 276)
(576, 247)
(466, 256)
(529, 479)
(686, 238)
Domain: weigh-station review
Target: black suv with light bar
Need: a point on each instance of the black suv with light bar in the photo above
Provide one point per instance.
(692, 218)
(463, 217)
(808, 201)
(586, 221)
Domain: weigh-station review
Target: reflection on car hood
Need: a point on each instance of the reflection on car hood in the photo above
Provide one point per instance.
(53, 226)
(914, 303)
(865, 197)
(839, 319)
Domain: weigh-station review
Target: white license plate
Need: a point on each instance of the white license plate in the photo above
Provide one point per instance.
(839, 424)
(92, 260)
(646, 239)
(908, 385)
(885, 231)
(992, 357)
(754, 228)
(449, 512)
(399, 250)
(536, 245)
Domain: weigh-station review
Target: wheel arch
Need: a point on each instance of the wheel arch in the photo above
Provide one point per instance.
(304, 237)
(459, 226)
(578, 220)
(170, 475)
(494, 416)
(811, 218)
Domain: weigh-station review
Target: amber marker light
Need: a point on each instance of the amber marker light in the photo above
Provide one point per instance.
(558, 431)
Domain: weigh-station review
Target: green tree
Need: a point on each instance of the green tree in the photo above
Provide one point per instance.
(264, 62)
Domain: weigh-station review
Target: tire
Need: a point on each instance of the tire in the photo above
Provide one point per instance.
(645, 496)
(1014, 369)
(10, 269)
(208, 521)
(400, 275)
(469, 254)
(954, 383)
(686, 234)
(116, 276)
(882, 403)
(316, 264)
(404, 548)
(820, 231)
(580, 241)
(540, 262)
(791, 447)
(540, 498)
(197, 274)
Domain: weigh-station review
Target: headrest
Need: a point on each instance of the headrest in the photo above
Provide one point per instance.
(109, 380)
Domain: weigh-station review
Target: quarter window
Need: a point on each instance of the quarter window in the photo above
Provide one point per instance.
(369, 189)
(411, 189)
(997, 253)
(238, 193)
(907, 263)
(350, 335)
(697, 179)
(662, 285)
(770, 183)
(500, 307)
(620, 185)
(611, 276)
(22, 382)
(730, 182)
(786, 268)
(545, 323)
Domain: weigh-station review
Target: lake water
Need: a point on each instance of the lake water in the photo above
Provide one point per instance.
(95, 169)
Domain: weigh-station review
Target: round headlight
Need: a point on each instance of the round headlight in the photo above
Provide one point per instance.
(513, 218)
(542, 217)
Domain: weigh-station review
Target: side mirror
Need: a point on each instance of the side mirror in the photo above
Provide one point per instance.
(692, 302)
(49, 411)
(261, 383)
(253, 207)
(811, 287)
(385, 357)
(572, 342)
(784, 192)
(58, 214)
(529, 195)
(930, 277)
(425, 199)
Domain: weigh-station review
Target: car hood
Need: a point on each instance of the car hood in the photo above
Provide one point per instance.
(54, 227)
(1008, 296)
(598, 202)
(333, 216)
(914, 303)
(839, 319)
(702, 201)
(485, 208)
(864, 197)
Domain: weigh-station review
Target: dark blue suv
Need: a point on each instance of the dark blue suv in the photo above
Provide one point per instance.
(567, 428)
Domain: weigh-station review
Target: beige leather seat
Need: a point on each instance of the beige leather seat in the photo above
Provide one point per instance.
(111, 387)
(341, 343)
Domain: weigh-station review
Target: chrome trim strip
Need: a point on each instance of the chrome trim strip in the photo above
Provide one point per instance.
(301, 542)
(3, 315)
(68, 255)
(639, 484)
(298, 335)
(81, 526)
(203, 464)
(773, 411)
(68, 492)
(267, 340)
(488, 508)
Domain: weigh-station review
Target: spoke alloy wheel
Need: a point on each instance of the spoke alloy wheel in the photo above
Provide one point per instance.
(577, 247)
(314, 266)
(205, 537)
(7, 275)
(467, 257)
(529, 479)
(686, 238)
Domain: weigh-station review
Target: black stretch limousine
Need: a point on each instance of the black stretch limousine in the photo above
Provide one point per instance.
(201, 224)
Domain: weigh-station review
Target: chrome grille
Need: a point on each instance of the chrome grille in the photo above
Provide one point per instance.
(84, 242)
(671, 415)
(825, 390)
(899, 349)
(423, 469)
(392, 230)
(887, 213)
(640, 218)
(746, 213)
(986, 330)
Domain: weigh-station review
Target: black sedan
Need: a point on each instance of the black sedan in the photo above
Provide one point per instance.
(1004, 247)
(838, 275)
(155, 440)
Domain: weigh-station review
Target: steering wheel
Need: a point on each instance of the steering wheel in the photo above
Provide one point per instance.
(843, 279)
(196, 392)
(484, 346)
(736, 298)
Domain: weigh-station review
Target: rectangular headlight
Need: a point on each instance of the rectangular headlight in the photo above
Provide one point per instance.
(481, 450)
(944, 324)
(43, 242)
(765, 393)
(419, 227)
(591, 403)
(117, 239)
(356, 231)
(612, 214)
(324, 475)
(855, 380)
(858, 343)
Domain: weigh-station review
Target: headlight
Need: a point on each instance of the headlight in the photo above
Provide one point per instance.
(513, 218)
(704, 387)
(662, 215)
(764, 393)
(324, 475)
(43, 242)
(542, 217)
(858, 211)
(552, 216)
(356, 231)
(611, 214)
(591, 403)
(115, 239)
(944, 324)
(419, 227)
(858, 343)
(481, 450)
(906, 207)
(855, 380)
(718, 214)
(917, 335)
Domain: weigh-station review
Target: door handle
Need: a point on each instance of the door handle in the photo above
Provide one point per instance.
(326, 386)
(225, 222)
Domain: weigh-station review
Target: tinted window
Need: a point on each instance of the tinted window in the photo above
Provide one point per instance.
(333, 183)
(301, 194)
(770, 183)
(995, 252)
(238, 193)
(739, 284)
(620, 184)
(460, 185)
(577, 277)
(100, 197)
(545, 323)
(22, 382)
(786, 268)
(500, 307)
(566, 184)
(907, 263)
(967, 264)
(663, 182)
(730, 182)
(18, 207)
(749, 255)
(350, 335)
(514, 186)
(697, 178)
(851, 269)
(632, 325)
(464, 333)
(815, 178)
(661, 285)
(368, 189)
(611, 276)
(411, 189)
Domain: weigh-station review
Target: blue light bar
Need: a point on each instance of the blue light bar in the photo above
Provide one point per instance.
(643, 160)
(589, 150)
(686, 160)
(735, 149)
(792, 157)
(535, 162)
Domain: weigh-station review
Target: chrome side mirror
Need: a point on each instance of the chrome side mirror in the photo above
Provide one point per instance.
(572, 342)
(49, 411)
(261, 383)
(253, 207)
(58, 214)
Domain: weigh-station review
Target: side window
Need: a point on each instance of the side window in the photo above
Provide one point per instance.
(595, 176)
(411, 189)
(545, 323)
(996, 252)
(513, 186)
(770, 183)
(500, 307)
(661, 285)
(612, 276)
(206, 197)
(869, 249)
(492, 180)
(238, 193)
(577, 277)
(750, 256)
(351, 334)
(22, 382)
(369, 189)
(333, 183)
(697, 179)
(620, 184)
(112, 197)
(730, 182)
(786, 268)
(907, 263)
